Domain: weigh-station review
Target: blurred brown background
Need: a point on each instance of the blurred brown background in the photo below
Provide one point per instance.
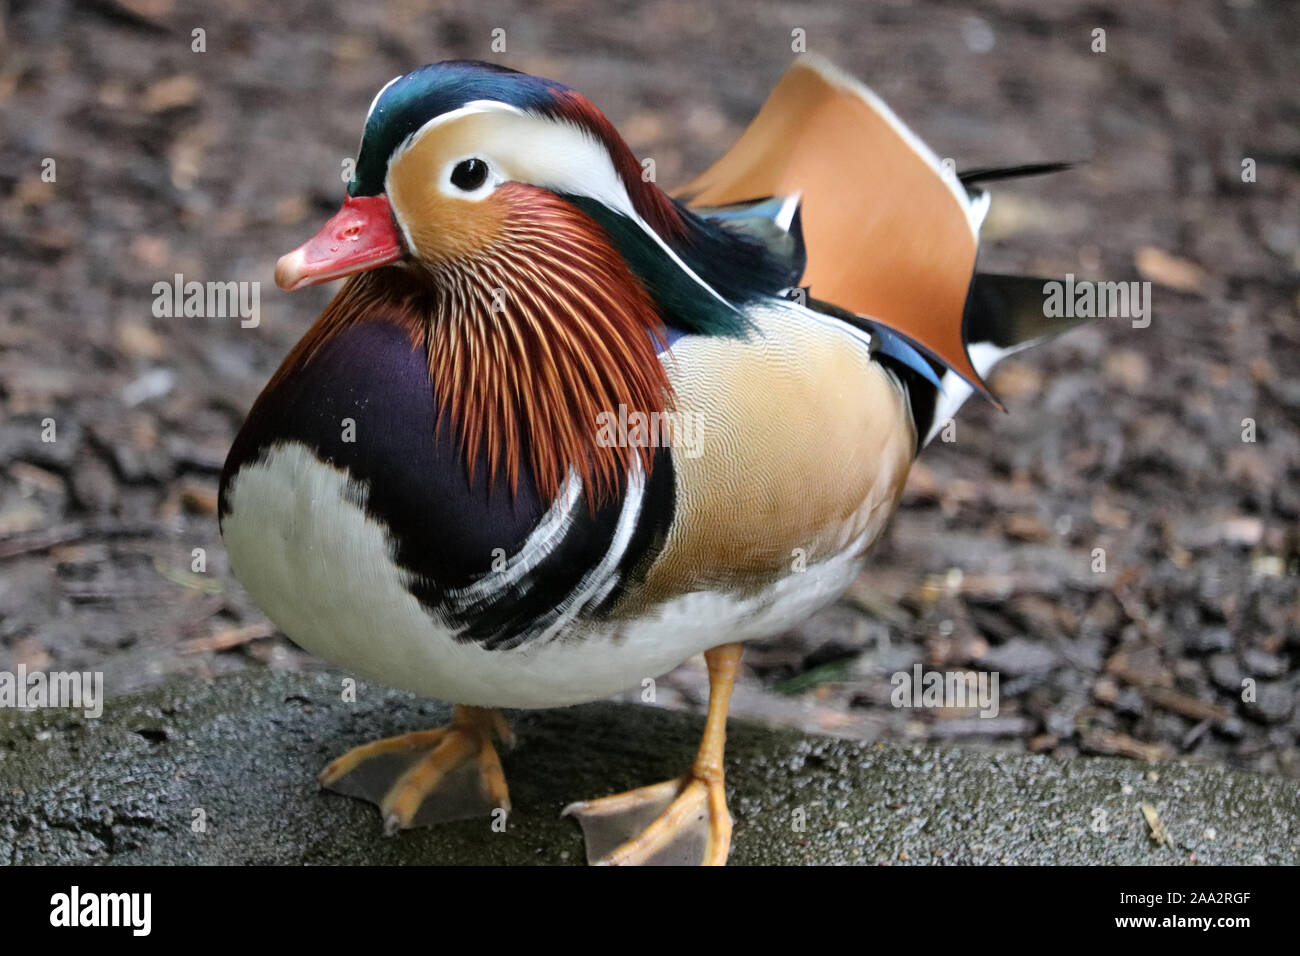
(212, 164)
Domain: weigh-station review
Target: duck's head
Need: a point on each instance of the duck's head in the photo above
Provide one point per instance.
(454, 153)
(501, 218)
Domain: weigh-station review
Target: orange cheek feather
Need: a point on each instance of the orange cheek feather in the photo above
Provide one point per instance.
(441, 228)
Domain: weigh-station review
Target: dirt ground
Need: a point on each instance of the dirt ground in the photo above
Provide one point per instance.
(1134, 441)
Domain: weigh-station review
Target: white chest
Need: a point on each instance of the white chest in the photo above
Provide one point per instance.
(303, 545)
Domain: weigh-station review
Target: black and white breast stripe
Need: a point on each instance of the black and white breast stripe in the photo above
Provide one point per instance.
(573, 568)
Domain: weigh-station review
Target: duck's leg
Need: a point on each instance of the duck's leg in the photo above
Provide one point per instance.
(430, 776)
(678, 822)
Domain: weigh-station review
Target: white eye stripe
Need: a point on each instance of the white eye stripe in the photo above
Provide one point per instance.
(554, 154)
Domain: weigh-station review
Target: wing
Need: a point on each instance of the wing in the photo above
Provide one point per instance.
(888, 232)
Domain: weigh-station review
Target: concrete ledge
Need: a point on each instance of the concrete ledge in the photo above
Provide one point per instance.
(245, 750)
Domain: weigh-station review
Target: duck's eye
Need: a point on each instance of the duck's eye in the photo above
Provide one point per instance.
(469, 174)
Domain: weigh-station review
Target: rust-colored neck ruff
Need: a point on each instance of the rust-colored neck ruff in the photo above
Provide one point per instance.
(529, 340)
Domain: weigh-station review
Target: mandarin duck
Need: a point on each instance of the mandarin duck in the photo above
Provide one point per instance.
(560, 431)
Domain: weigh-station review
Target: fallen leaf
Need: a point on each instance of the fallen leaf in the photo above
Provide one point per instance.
(1158, 266)
(1159, 832)
(170, 93)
